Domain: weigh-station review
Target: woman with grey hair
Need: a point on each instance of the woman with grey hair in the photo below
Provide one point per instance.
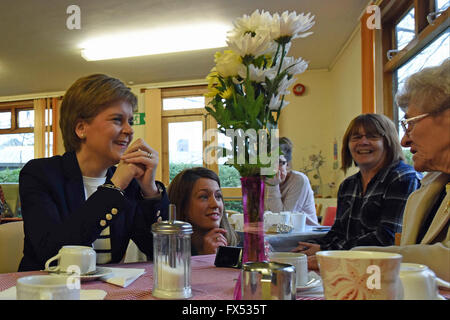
(425, 237)
(290, 190)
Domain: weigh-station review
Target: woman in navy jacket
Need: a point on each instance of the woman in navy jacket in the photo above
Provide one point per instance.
(81, 198)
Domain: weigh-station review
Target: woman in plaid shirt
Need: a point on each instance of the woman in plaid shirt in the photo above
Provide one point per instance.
(371, 202)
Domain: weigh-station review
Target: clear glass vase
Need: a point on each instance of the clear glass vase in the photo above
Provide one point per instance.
(253, 207)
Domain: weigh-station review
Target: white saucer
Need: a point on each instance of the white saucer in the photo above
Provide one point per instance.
(314, 281)
(99, 272)
(321, 228)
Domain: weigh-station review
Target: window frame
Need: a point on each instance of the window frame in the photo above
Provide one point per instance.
(392, 11)
(186, 115)
(14, 108)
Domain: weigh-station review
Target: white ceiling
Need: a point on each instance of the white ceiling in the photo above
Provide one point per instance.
(39, 54)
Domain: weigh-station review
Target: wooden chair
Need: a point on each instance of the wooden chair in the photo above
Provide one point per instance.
(11, 246)
(231, 212)
(319, 211)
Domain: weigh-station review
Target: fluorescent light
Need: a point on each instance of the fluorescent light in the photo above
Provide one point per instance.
(142, 43)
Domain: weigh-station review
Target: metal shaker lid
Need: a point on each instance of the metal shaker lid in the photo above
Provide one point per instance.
(172, 226)
(265, 267)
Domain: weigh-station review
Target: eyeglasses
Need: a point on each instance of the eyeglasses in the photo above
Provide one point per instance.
(408, 124)
(369, 136)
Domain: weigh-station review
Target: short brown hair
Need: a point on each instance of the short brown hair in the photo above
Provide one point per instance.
(180, 190)
(373, 123)
(86, 98)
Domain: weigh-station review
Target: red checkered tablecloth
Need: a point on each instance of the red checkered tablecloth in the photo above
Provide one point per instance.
(207, 281)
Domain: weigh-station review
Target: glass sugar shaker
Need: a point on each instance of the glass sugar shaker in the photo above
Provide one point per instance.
(172, 258)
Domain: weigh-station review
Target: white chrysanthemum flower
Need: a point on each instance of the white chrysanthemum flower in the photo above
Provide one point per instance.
(294, 66)
(291, 25)
(249, 45)
(252, 24)
(285, 84)
(256, 74)
(275, 102)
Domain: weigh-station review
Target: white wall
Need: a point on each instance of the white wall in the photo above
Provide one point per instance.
(313, 121)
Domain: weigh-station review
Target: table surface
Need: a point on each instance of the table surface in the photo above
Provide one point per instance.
(207, 281)
(288, 241)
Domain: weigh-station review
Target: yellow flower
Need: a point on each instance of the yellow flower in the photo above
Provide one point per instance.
(227, 63)
(212, 93)
(212, 78)
(227, 93)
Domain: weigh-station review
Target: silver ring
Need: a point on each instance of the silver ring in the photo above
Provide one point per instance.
(217, 238)
(149, 155)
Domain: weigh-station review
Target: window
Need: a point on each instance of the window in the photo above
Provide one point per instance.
(184, 122)
(432, 55)
(405, 30)
(442, 5)
(16, 138)
(185, 136)
(26, 132)
(183, 103)
(418, 32)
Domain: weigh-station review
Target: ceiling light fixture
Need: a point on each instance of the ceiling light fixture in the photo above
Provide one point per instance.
(185, 38)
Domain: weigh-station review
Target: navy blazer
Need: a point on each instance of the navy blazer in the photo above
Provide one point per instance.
(55, 212)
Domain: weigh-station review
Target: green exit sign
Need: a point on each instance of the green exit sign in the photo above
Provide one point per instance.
(139, 118)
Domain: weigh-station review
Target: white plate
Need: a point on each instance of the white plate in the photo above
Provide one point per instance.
(314, 281)
(321, 228)
(99, 272)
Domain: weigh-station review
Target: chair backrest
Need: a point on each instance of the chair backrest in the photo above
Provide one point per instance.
(231, 212)
(330, 215)
(318, 209)
(11, 246)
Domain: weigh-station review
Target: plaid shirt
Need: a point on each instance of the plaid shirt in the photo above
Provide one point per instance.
(371, 219)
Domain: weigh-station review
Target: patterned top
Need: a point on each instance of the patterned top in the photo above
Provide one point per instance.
(371, 219)
(102, 245)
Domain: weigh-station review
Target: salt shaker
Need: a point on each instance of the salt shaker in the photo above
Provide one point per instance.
(172, 258)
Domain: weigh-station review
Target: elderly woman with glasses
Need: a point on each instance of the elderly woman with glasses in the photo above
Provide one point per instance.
(425, 237)
(290, 190)
(370, 202)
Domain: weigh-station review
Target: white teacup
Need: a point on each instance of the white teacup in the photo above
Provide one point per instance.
(419, 282)
(298, 221)
(275, 218)
(47, 287)
(360, 275)
(298, 260)
(73, 259)
(285, 217)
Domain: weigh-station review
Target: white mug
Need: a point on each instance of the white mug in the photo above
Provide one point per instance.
(359, 275)
(418, 282)
(298, 260)
(298, 221)
(275, 218)
(48, 287)
(285, 217)
(73, 259)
